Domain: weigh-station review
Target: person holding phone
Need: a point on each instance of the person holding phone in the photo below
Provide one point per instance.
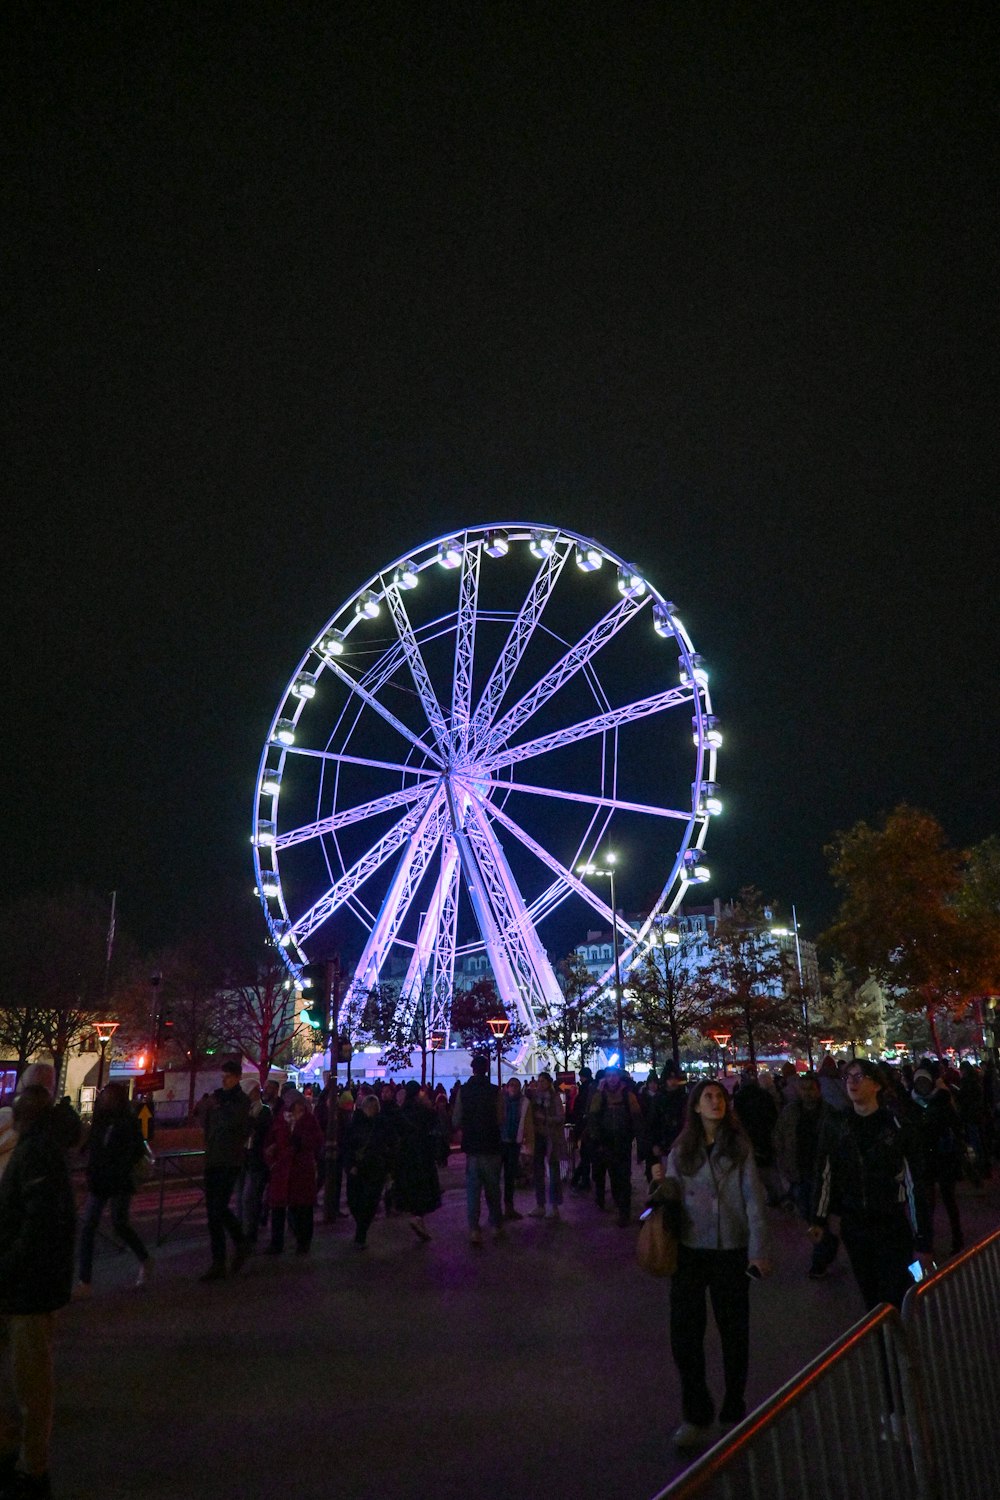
(715, 1200)
(869, 1169)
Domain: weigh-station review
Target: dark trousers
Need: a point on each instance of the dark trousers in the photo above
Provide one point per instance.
(947, 1186)
(219, 1184)
(879, 1254)
(618, 1165)
(362, 1199)
(584, 1166)
(332, 1189)
(722, 1274)
(510, 1161)
(92, 1212)
(301, 1217)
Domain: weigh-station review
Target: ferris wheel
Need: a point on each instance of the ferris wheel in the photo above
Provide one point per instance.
(480, 721)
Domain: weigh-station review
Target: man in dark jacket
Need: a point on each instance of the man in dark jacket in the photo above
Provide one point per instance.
(868, 1170)
(37, 1224)
(477, 1113)
(227, 1126)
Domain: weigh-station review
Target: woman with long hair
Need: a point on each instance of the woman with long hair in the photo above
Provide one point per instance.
(711, 1181)
(114, 1147)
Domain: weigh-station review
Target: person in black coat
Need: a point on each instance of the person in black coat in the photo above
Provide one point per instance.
(113, 1149)
(37, 1225)
(417, 1189)
(367, 1160)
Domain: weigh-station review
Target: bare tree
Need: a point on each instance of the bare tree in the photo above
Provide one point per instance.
(264, 1015)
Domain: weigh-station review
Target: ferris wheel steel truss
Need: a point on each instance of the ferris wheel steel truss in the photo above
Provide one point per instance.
(448, 817)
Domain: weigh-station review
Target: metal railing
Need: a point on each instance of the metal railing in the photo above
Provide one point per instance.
(851, 1423)
(952, 1323)
(901, 1405)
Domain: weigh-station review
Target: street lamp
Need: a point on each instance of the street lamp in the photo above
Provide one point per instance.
(609, 873)
(803, 1001)
(105, 1031)
(434, 1041)
(721, 1040)
(499, 1025)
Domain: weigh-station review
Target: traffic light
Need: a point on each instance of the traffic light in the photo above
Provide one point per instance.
(315, 981)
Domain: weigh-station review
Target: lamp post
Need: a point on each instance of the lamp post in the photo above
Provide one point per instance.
(721, 1040)
(803, 1001)
(609, 873)
(434, 1041)
(499, 1025)
(105, 1031)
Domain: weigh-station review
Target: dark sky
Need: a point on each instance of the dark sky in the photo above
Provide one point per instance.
(289, 290)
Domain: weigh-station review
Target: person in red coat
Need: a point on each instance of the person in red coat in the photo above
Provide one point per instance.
(292, 1151)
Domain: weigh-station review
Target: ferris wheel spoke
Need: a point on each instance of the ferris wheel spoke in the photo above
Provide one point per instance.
(352, 815)
(562, 871)
(379, 708)
(517, 642)
(409, 873)
(443, 985)
(566, 667)
(600, 724)
(507, 931)
(429, 773)
(362, 869)
(616, 804)
(418, 670)
(465, 645)
(435, 941)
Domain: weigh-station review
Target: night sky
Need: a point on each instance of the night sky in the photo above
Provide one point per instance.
(291, 289)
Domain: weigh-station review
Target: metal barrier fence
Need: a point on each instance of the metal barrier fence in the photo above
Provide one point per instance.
(952, 1323)
(850, 1424)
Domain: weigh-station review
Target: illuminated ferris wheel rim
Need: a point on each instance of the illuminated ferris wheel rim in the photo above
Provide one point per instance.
(443, 747)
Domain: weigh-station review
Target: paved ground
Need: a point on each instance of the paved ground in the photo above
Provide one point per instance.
(533, 1367)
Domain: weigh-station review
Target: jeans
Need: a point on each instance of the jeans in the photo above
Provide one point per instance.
(28, 1337)
(93, 1209)
(249, 1196)
(219, 1184)
(510, 1158)
(555, 1181)
(722, 1274)
(482, 1175)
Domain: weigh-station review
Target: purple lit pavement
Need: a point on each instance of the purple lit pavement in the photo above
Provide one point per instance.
(538, 1366)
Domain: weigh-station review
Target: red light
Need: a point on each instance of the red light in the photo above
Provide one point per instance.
(140, 1061)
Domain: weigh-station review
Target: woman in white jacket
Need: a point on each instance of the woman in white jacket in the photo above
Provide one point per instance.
(711, 1176)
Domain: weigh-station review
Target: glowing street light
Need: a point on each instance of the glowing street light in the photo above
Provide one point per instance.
(722, 1040)
(499, 1025)
(609, 874)
(105, 1031)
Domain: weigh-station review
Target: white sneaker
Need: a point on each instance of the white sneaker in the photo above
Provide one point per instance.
(689, 1437)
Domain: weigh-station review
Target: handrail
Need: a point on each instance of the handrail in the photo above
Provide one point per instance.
(861, 1382)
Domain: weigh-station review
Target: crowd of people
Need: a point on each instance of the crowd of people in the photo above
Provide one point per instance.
(869, 1145)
